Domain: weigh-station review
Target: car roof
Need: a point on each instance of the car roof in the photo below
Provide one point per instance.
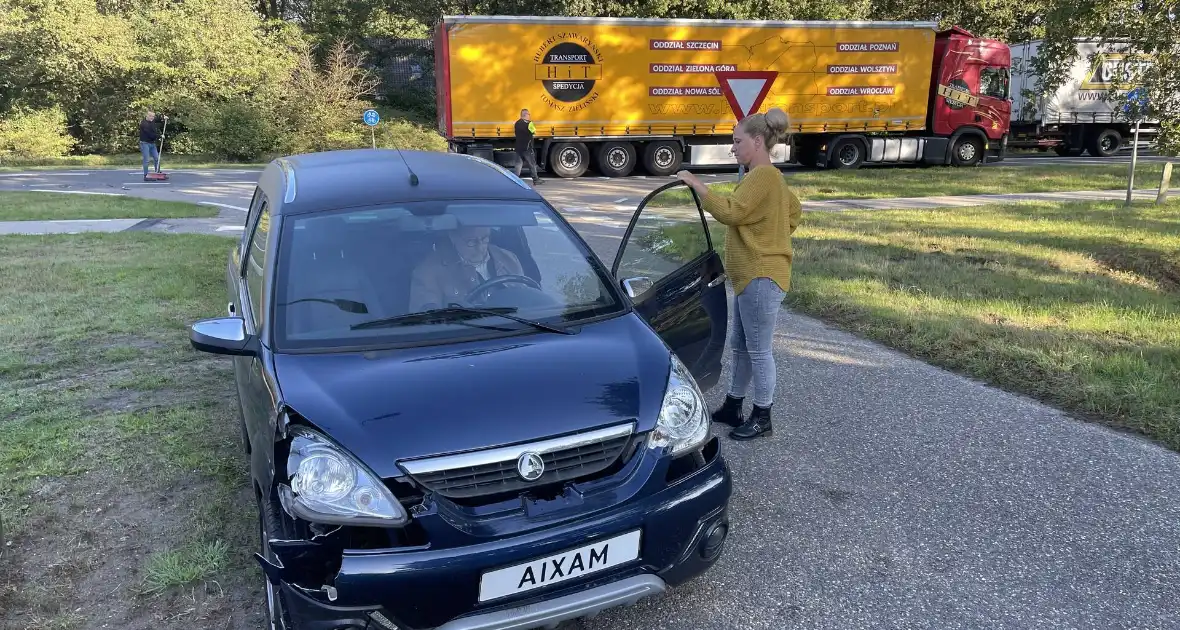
(362, 177)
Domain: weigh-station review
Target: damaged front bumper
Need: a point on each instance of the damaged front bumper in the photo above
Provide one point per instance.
(684, 527)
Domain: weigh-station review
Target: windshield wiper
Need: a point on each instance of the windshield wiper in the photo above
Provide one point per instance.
(441, 314)
(350, 306)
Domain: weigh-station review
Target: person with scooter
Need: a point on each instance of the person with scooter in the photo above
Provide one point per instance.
(148, 135)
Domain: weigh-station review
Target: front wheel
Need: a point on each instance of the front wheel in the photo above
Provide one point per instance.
(270, 525)
(808, 155)
(1064, 150)
(847, 154)
(968, 151)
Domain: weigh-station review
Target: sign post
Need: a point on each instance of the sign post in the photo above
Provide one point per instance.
(745, 91)
(371, 118)
(1135, 109)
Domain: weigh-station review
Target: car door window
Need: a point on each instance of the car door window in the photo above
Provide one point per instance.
(993, 82)
(667, 233)
(256, 262)
(251, 217)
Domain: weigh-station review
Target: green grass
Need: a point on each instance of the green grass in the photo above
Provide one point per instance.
(183, 566)
(881, 182)
(1075, 304)
(106, 409)
(45, 206)
(168, 161)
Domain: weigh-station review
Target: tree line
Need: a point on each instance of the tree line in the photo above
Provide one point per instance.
(241, 79)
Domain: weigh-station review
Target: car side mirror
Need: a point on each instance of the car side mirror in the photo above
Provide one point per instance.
(637, 286)
(223, 335)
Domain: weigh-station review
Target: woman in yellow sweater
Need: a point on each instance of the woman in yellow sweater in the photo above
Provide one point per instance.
(761, 214)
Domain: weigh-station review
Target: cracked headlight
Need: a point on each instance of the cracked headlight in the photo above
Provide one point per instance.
(330, 486)
(683, 423)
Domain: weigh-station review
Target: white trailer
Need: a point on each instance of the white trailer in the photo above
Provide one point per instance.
(1078, 116)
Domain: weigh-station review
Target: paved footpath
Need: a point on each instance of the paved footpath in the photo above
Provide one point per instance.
(899, 495)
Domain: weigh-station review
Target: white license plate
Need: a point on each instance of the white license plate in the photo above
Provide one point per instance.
(566, 565)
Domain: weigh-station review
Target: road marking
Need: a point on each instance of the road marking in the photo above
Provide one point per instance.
(146, 184)
(43, 174)
(76, 192)
(223, 205)
(230, 228)
(72, 221)
(620, 200)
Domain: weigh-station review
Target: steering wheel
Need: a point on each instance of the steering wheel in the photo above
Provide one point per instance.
(500, 281)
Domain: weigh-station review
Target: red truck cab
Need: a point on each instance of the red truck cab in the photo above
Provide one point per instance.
(970, 104)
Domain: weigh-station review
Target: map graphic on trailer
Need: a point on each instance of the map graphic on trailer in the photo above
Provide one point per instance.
(766, 56)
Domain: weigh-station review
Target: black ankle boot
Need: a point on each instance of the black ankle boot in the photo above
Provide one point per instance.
(730, 412)
(757, 426)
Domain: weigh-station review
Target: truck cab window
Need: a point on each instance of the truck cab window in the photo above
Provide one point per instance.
(993, 82)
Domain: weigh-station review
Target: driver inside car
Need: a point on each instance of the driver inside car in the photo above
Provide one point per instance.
(448, 275)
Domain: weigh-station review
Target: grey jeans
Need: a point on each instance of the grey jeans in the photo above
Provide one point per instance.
(755, 313)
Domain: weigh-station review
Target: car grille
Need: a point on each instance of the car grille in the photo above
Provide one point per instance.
(494, 471)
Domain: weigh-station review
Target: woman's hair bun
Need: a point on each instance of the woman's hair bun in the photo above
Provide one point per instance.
(777, 120)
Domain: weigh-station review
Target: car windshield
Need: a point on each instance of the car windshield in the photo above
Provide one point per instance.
(432, 271)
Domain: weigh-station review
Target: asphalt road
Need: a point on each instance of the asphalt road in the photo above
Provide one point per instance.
(893, 495)
(233, 186)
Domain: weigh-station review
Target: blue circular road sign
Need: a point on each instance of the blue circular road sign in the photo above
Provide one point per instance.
(1137, 103)
(372, 117)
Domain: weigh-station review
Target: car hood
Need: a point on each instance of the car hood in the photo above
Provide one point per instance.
(389, 405)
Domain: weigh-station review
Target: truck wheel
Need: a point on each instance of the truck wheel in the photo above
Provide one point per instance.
(570, 159)
(807, 154)
(808, 158)
(616, 159)
(847, 154)
(1064, 150)
(1105, 143)
(968, 151)
(662, 158)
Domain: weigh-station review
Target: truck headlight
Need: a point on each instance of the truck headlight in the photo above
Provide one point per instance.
(330, 486)
(683, 423)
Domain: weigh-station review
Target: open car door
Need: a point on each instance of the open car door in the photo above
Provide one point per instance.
(668, 267)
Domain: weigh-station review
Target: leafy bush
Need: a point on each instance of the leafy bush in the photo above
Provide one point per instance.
(323, 105)
(1168, 142)
(418, 103)
(395, 132)
(237, 129)
(35, 134)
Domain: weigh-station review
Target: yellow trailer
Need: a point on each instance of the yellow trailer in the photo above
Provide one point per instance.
(654, 92)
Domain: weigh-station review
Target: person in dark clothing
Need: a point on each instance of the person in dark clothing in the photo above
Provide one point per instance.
(525, 129)
(148, 135)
